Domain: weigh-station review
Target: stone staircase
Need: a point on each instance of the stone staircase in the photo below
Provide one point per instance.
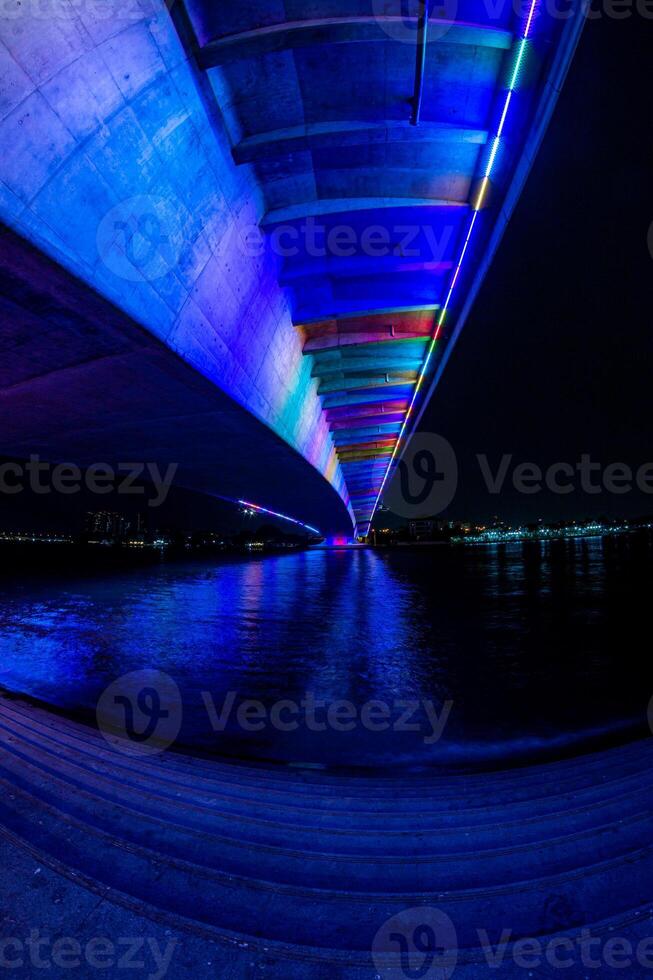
(308, 865)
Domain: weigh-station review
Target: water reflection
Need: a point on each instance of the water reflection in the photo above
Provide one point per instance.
(538, 645)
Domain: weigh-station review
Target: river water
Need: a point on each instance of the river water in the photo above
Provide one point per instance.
(487, 655)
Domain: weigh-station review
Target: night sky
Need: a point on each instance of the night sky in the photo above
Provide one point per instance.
(556, 359)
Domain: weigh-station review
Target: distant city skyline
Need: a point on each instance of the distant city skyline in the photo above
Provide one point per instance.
(191, 511)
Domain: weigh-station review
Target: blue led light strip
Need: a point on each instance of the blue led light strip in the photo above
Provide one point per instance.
(283, 517)
(485, 180)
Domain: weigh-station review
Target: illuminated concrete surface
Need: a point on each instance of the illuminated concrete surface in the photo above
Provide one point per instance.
(146, 150)
(291, 873)
(83, 382)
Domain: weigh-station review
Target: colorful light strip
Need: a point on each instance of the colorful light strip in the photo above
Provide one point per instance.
(282, 517)
(485, 181)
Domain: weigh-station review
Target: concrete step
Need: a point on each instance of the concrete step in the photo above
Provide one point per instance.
(407, 828)
(553, 794)
(338, 834)
(336, 918)
(235, 956)
(430, 867)
(582, 770)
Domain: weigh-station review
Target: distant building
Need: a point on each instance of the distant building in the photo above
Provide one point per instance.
(105, 527)
(428, 529)
(421, 529)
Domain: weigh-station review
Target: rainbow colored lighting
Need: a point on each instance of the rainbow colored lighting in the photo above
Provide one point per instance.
(283, 517)
(476, 208)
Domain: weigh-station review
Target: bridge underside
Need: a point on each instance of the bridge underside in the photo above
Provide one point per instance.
(328, 182)
(96, 387)
(387, 139)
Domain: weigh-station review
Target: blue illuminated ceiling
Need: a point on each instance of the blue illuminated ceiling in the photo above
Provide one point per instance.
(371, 127)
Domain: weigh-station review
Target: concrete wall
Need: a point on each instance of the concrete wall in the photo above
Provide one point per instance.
(112, 165)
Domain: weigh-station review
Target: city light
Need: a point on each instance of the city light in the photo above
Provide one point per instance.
(594, 529)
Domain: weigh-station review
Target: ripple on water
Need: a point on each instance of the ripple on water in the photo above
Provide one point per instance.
(538, 648)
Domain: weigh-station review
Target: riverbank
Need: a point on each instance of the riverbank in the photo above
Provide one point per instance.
(208, 869)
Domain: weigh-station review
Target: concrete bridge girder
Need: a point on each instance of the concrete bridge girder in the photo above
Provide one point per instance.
(145, 148)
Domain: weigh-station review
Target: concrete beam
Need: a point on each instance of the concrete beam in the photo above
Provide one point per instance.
(383, 411)
(372, 470)
(320, 344)
(366, 493)
(392, 314)
(361, 381)
(340, 30)
(347, 205)
(381, 441)
(359, 454)
(366, 470)
(351, 132)
(325, 335)
(364, 366)
(359, 265)
(380, 392)
(367, 421)
(326, 344)
(344, 436)
(388, 348)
